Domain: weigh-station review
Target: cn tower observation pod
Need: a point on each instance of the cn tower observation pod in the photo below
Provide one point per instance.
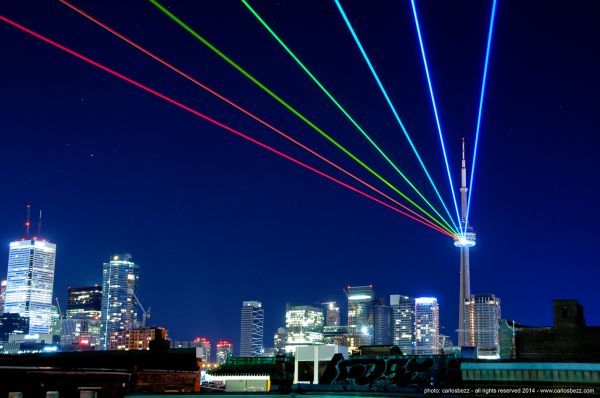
(465, 241)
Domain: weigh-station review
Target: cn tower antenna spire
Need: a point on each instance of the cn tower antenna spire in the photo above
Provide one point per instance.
(463, 187)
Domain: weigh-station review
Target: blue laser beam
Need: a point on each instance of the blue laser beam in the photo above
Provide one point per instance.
(435, 112)
(477, 129)
(391, 105)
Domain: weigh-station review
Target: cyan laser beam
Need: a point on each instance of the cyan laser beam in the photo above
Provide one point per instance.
(479, 113)
(392, 107)
(435, 112)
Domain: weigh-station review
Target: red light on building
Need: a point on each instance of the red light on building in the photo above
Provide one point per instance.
(84, 341)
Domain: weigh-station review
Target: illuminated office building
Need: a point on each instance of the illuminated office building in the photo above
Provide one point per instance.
(382, 323)
(120, 282)
(252, 329)
(30, 280)
(206, 346)
(86, 301)
(332, 313)
(224, 349)
(279, 341)
(303, 326)
(483, 318)
(403, 322)
(427, 326)
(360, 313)
(2, 295)
(135, 339)
(80, 333)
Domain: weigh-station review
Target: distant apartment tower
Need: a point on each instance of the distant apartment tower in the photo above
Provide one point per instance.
(224, 349)
(252, 329)
(206, 346)
(2, 296)
(360, 313)
(120, 281)
(303, 326)
(483, 318)
(86, 301)
(332, 313)
(403, 322)
(382, 323)
(427, 326)
(30, 280)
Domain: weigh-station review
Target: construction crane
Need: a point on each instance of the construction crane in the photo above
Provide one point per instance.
(145, 313)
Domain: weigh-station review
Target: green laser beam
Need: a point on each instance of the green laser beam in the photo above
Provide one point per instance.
(340, 107)
(291, 109)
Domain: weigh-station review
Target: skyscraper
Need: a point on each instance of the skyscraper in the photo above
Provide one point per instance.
(382, 323)
(303, 325)
(206, 346)
(2, 295)
(252, 329)
(86, 301)
(360, 313)
(224, 349)
(427, 326)
(30, 280)
(483, 316)
(120, 282)
(403, 319)
(332, 313)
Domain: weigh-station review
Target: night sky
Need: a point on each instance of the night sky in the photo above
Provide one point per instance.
(214, 220)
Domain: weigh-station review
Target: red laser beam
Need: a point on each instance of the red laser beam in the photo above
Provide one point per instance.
(211, 120)
(240, 108)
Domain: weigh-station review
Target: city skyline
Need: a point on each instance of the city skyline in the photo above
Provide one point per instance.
(125, 173)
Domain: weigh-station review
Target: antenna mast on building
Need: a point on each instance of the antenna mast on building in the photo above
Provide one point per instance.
(40, 225)
(28, 222)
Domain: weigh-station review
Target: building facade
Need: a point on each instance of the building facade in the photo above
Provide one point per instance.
(332, 313)
(135, 339)
(483, 317)
(86, 301)
(2, 295)
(427, 326)
(279, 339)
(360, 313)
(303, 326)
(382, 323)
(403, 322)
(119, 311)
(224, 349)
(252, 329)
(30, 282)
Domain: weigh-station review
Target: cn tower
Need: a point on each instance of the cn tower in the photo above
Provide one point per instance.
(465, 242)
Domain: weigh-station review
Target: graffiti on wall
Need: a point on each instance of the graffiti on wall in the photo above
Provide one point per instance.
(397, 370)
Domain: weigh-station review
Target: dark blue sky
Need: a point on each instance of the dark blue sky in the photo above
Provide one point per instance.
(214, 220)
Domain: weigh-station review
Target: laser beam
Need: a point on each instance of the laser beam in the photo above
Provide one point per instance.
(339, 106)
(480, 111)
(205, 117)
(435, 112)
(391, 106)
(238, 107)
(289, 107)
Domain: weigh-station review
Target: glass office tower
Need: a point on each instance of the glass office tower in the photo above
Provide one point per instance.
(120, 281)
(29, 282)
